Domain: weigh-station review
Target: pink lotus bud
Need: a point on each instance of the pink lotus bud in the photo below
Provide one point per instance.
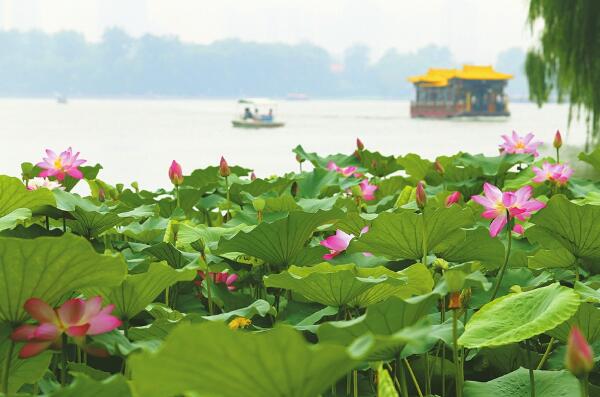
(421, 196)
(452, 198)
(557, 140)
(518, 228)
(252, 176)
(439, 168)
(175, 173)
(224, 170)
(579, 358)
(101, 195)
(359, 144)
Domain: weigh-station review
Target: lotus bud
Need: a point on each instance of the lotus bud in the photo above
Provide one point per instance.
(579, 358)
(175, 173)
(420, 195)
(452, 199)
(300, 159)
(439, 168)
(557, 140)
(454, 302)
(359, 145)
(224, 170)
(253, 176)
(357, 154)
(101, 195)
(294, 189)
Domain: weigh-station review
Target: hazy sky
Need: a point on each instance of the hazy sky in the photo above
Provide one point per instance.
(474, 30)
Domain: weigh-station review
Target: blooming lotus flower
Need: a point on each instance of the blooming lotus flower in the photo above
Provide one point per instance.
(503, 206)
(61, 165)
(519, 144)
(76, 318)
(175, 173)
(367, 190)
(224, 170)
(38, 183)
(452, 198)
(331, 166)
(555, 173)
(339, 242)
(220, 278)
(579, 358)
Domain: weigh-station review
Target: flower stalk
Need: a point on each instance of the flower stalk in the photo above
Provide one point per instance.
(505, 264)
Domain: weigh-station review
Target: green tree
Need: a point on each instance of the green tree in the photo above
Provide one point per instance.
(567, 59)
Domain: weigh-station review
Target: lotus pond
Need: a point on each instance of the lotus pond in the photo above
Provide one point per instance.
(362, 274)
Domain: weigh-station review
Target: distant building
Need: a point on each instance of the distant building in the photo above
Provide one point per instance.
(470, 91)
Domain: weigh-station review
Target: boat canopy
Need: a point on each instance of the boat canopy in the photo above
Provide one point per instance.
(439, 77)
(257, 101)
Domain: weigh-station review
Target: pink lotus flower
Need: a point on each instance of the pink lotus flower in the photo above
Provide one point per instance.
(175, 173)
(38, 183)
(339, 242)
(519, 144)
(503, 206)
(76, 318)
(367, 190)
(452, 198)
(219, 278)
(579, 358)
(59, 166)
(555, 173)
(331, 166)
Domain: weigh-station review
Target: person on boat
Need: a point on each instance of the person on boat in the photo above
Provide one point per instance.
(248, 114)
(268, 117)
(256, 115)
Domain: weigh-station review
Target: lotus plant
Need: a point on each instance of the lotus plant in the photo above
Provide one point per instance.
(176, 177)
(519, 144)
(367, 190)
(556, 174)
(579, 358)
(348, 171)
(503, 208)
(219, 278)
(339, 242)
(59, 166)
(557, 143)
(75, 318)
(224, 171)
(39, 183)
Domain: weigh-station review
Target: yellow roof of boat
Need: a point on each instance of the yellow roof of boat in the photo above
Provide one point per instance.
(436, 77)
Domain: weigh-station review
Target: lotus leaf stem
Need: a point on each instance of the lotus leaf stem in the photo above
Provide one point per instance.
(530, 368)
(546, 353)
(414, 378)
(505, 264)
(6, 369)
(584, 387)
(63, 373)
(457, 364)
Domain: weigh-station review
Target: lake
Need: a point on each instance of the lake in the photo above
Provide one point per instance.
(137, 139)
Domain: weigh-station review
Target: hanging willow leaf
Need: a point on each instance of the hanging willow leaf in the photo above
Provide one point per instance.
(517, 317)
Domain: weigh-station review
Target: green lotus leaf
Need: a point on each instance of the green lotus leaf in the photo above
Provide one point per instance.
(211, 360)
(48, 268)
(281, 242)
(259, 307)
(310, 185)
(22, 371)
(174, 257)
(257, 188)
(85, 386)
(516, 384)
(208, 178)
(415, 166)
(378, 164)
(472, 245)
(139, 290)
(592, 158)
(517, 317)
(587, 293)
(546, 259)
(337, 285)
(141, 212)
(15, 195)
(88, 171)
(587, 319)
(400, 235)
(149, 231)
(574, 227)
(9, 221)
(341, 160)
(493, 166)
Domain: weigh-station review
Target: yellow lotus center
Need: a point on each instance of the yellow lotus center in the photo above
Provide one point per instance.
(520, 145)
(58, 163)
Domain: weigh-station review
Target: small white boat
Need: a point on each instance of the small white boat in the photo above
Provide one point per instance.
(62, 99)
(257, 113)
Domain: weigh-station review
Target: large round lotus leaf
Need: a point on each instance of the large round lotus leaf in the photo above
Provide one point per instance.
(516, 384)
(139, 290)
(15, 195)
(85, 386)
(211, 360)
(517, 317)
(48, 268)
(337, 285)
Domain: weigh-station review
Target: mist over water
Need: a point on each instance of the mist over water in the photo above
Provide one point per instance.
(137, 139)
